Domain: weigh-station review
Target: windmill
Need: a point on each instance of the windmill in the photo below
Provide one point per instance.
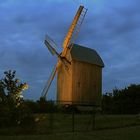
(69, 39)
(67, 90)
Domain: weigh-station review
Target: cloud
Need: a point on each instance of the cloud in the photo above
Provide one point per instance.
(114, 34)
(111, 27)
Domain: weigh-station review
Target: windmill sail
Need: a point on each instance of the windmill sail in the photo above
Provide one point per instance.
(50, 48)
(74, 28)
(78, 26)
(46, 88)
(51, 45)
(70, 38)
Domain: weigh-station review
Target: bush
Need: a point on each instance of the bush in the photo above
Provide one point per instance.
(22, 116)
(5, 116)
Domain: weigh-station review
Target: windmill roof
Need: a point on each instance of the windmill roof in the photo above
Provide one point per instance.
(85, 54)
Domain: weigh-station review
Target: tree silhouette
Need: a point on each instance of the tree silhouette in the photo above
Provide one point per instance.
(122, 101)
(13, 111)
(11, 89)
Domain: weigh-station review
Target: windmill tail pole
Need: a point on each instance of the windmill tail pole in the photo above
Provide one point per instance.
(71, 29)
(45, 90)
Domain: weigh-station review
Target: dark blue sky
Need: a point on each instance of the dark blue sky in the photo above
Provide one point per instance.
(111, 27)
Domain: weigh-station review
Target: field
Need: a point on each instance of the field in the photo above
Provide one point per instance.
(58, 123)
(60, 126)
(128, 133)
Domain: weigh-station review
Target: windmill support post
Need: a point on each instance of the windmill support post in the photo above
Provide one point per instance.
(73, 121)
(93, 118)
(51, 121)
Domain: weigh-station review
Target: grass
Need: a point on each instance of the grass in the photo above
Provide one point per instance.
(116, 121)
(82, 122)
(106, 127)
(128, 133)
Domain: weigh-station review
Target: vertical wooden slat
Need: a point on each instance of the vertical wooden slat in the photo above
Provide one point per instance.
(81, 83)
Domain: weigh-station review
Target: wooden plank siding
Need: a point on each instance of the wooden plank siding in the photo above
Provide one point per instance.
(81, 83)
(64, 84)
(86, 83)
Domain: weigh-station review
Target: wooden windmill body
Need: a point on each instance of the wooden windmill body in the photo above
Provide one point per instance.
(82, 82)
(79, 69)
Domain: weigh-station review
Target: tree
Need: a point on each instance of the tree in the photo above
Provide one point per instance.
(11, 89)
(122, 101)
(13, 111)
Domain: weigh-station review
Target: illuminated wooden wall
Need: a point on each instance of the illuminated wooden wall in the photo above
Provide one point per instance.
(81, 83)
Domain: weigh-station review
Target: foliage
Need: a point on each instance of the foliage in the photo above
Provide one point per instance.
(12, 108)
(40, 106)
(124, 101)
(32, 105)
(46, 106)
(22, 116)
(11, 89)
